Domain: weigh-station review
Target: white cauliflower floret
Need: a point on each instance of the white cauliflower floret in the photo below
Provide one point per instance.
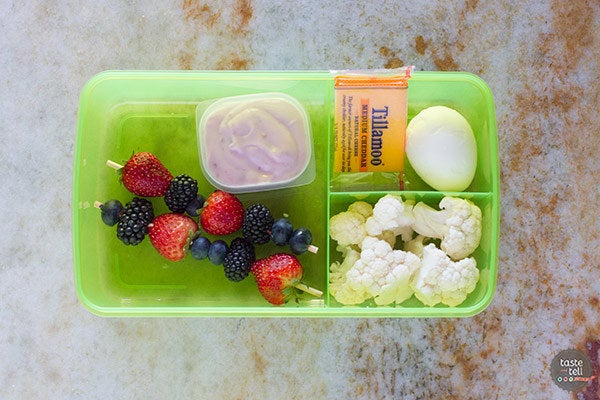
(441, 280)
(347, 228)
(391, 214)
(366, 210)
(361, 207)
(383, 273)
(457, 224)
(338, 286)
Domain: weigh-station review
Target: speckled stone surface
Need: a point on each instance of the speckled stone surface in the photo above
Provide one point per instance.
(541, 60)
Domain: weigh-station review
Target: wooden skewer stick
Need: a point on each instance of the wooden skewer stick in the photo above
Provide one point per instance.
(113, 164)
(308, 289)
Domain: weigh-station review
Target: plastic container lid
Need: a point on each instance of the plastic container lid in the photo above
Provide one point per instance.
(256, 142)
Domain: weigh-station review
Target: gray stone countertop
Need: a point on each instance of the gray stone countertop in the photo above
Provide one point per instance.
(541, 60)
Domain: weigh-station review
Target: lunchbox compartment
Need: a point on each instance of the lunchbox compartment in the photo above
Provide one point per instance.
(485, 254)
(467, 94)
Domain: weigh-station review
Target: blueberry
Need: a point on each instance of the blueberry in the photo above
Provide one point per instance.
(300, 240)
(110, 212)
(217, 251)
(281, 231)
(199, 248)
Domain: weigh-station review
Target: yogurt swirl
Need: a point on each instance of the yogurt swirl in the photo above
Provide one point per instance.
(255, 140)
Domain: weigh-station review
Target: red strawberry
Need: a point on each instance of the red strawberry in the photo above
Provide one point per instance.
(222, 214)
(170, 233)
(144, 175)
(276, 275)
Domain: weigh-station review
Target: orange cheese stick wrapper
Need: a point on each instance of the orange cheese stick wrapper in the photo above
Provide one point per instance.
(370, 123)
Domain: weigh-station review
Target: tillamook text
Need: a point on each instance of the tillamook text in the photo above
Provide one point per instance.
(370, 125)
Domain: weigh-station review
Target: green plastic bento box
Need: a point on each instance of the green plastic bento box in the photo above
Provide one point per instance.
(125, 111)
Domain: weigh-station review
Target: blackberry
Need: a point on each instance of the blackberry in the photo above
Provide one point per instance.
(182, 190)
(239, 259)
(133, 221)
(258, 221)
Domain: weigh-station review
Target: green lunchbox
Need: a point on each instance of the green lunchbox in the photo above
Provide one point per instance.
(125, 111)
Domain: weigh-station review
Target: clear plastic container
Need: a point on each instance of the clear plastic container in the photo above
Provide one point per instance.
(249, 124)
(125, 111)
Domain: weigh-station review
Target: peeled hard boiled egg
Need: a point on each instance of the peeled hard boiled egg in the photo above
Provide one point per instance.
(441, 148)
